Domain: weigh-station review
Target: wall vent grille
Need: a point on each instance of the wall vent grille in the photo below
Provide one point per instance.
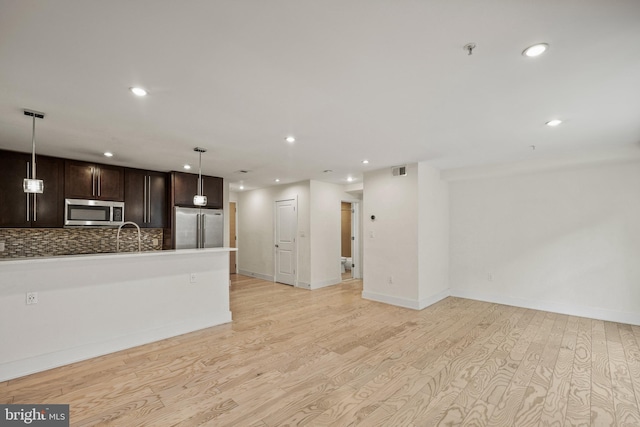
(399, 171)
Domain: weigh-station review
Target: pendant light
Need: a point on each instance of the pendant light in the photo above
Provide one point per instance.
(33, 185)
(199, 199)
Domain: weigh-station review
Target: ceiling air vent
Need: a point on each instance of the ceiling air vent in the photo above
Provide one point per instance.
(399, 171)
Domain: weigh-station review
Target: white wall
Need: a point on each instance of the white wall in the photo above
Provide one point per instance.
(560, 240)
(433, 236)
(256, 223)
(409, 239)
(391, 241)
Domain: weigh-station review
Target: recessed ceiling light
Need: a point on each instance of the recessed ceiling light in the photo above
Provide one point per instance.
(554, 122)
(535, 50)
(277, 179)
(138, 91)
(108, 154)
(365, 162)
(187, 167)
(349, 179)
(290, 139)
(242, 187)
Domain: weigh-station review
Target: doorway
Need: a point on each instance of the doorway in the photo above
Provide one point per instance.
(286, 218)
(233, 238)
(350, 241)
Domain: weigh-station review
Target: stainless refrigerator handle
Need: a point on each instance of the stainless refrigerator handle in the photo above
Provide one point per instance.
(204, 230)
(198, 231)
(98, 186)
(27, 194)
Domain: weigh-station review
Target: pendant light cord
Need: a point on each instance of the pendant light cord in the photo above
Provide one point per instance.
(200, 174)
(33, 148)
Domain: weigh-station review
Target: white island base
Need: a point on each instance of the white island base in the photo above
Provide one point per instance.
(91, 305)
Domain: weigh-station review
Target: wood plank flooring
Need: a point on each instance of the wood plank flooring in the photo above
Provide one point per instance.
(329, 358)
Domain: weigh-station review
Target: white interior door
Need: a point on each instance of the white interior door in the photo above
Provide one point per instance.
(285, 244)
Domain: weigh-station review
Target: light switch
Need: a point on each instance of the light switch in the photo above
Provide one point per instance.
(372, 234)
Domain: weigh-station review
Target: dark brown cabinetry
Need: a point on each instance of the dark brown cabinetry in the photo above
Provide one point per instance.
(145, 198)
(185, 185)
(19, 209)
(93, 181)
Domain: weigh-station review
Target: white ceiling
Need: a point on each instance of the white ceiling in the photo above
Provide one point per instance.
(388, 81)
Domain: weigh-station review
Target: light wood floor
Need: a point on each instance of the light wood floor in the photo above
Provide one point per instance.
(329, 358)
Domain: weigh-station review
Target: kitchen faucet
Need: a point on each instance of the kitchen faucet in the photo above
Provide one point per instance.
(118, 236)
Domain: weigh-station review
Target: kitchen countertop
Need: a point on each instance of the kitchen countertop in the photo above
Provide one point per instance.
(111, 255)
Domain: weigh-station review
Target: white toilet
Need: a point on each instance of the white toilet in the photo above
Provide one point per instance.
(345, 264)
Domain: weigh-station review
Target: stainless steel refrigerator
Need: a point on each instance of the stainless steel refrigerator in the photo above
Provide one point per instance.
(198, 228)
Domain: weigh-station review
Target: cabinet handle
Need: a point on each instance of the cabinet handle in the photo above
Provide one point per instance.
(27, 194)
(93, 180)
(98, 173)
(144, 202)
(149, 199)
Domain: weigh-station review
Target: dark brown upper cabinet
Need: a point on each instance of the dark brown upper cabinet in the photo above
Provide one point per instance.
(19, 209)
(185, 185)
(145, 198)
(93, 181)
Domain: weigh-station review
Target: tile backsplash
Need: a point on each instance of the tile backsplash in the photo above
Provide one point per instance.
(40, 242)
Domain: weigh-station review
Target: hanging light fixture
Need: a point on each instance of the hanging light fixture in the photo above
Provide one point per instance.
(33, 185)
(199, 199)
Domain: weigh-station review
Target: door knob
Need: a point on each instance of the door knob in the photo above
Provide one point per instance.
(277, 246)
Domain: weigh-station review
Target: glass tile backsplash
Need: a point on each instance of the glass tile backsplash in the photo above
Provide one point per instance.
(41, 242)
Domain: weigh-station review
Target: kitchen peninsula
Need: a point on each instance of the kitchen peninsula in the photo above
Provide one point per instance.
(91, 305)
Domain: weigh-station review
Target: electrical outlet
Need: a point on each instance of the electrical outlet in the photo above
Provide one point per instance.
(155, 242)
(1, 246)
(490, 277)
(193, 278)
(390, 280)
(32, 298)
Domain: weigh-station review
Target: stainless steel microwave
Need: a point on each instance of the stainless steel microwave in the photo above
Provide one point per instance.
(80, 212)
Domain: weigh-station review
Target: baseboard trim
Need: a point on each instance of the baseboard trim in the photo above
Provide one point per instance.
(388, 299)
(406, 302)
(426, 302)
(258, 275)
(325, 283)
(568, 309)
(43, 362)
